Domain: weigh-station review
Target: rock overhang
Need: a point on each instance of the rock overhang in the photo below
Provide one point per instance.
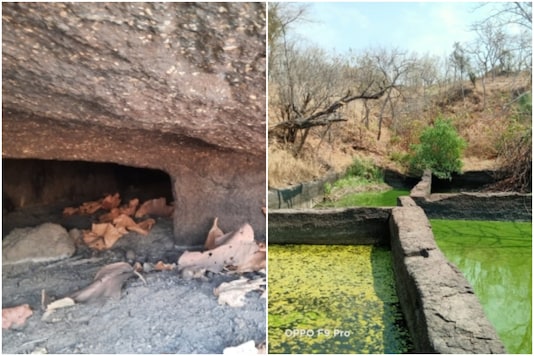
(176, 87)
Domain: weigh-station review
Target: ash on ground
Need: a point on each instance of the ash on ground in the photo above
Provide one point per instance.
(167, 315)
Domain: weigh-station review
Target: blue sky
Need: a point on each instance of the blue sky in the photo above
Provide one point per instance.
(423, 27)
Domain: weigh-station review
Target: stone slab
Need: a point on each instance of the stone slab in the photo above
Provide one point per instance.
(351, 226)
(45, 243)
(441, 310)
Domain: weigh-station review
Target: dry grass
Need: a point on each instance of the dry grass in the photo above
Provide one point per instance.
(480, 125)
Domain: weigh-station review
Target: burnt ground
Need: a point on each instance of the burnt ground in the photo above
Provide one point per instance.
(168, 315)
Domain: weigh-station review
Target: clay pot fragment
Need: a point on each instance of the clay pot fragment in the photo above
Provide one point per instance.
(103, 236)
(108, 217)
(90, 207)
(146, 224)
(15, 316)
(155, 207)
(111, 201)
(161, 266)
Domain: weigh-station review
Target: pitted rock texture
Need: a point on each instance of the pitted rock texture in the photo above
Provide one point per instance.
(178, 87)
(341, 226)
(197, 70)
(44, 243)
(441, 310)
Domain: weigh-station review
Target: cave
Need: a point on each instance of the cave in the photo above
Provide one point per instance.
(107, 88)
(146, 100)
(35, 191)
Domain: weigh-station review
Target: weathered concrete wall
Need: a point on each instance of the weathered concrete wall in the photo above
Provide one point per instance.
(303, 195)
(398, 180)
(343, 226)
(467, 181)
(471, 206)
(442, 312)
(477, 206)
(308, 194)
(424, 187)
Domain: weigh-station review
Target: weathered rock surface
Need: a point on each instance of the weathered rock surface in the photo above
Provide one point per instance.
(44, 243)
(172, 86)
(441, 310)
(352, 226)
(302, 195)
(477, 206)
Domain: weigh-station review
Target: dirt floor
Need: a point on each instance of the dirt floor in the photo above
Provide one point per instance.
(168, 315)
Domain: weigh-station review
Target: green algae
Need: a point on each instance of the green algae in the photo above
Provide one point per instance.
(496, 258)
(333, 299)
(374, 198)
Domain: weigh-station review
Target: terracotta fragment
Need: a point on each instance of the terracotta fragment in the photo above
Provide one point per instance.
(155, 207)
(15, 316)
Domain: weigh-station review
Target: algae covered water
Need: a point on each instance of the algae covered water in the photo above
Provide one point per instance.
(496, 258)
(374, 198)
(333, 299)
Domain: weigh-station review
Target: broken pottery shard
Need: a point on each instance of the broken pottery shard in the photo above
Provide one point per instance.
(146, 224)
(90, 207)
(103, 236)
(213, 234)
(111, 201)
(107, 284)
(130, 208)
(108, 217)
(237, 250)
(155, 207)
(15, 316)
(161, 266)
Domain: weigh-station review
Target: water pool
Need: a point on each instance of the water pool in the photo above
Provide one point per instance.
(333, 299)
(496, 258)
(381, 198)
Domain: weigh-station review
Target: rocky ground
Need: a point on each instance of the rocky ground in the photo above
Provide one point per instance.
(169, 314)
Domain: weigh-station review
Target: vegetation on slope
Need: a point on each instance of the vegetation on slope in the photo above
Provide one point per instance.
(376, 104)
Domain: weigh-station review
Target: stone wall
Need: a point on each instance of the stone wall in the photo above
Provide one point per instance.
(341, 226)
(477, 206)
(442, 312)
(302, 195)
(505, 206)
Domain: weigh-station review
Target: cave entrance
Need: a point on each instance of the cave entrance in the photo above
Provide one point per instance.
(36, 191)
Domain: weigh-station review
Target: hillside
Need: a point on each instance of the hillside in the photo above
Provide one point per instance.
(482, 123)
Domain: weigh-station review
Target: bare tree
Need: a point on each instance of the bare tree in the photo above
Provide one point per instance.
(313, 85)
(394, 66)
(504, 16)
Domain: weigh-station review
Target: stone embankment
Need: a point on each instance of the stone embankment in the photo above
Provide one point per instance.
(302, 195)
(502, 206)
(441, 309)
(341, 226)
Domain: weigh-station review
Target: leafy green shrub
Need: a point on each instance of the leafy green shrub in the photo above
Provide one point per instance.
(400, 157)
(440, 149)
(365, 169)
